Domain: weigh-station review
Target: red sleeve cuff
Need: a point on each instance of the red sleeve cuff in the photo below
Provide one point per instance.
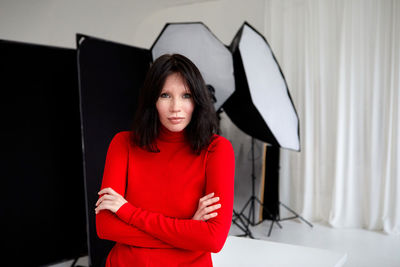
(125, 212)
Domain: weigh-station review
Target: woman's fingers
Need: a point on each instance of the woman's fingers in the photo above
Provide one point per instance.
(209, 216)
(206, 197)
(205, 208)
(104, 197)
(212, 208)
(109, 200)
(103, 206)
(107, 190)
(210, 201)
(208, 211)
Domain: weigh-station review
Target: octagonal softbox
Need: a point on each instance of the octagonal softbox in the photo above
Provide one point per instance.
(261, 105)
(199, 44)
(110, 76)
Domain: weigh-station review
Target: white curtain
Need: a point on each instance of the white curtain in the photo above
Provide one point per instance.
(341, 60)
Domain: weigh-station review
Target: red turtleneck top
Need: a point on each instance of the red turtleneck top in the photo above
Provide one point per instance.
(154, 228)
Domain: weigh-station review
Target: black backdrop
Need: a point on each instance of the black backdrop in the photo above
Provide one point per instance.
(110, 76)
(42, 200)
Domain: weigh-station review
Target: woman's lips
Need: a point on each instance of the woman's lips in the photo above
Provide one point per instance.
(176, 120)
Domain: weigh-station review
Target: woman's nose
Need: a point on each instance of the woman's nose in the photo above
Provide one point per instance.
(175, 105)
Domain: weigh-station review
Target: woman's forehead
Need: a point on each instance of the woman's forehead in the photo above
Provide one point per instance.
(176, 79)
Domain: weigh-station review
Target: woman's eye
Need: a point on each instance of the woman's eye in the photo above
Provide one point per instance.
(187, 96)
(164, 95)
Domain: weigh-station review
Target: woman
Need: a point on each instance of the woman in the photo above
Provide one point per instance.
(167, 189)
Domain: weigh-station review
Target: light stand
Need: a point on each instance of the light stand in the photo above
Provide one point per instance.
(261, 107)
(250, 218)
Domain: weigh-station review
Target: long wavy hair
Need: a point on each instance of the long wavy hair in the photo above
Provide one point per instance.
(203, 124)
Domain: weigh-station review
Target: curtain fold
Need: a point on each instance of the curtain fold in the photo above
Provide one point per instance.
(341, 60)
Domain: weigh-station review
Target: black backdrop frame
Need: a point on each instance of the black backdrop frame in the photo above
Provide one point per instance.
(110, 76)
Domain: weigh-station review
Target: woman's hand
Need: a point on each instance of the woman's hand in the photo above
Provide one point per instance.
(110, 200)
(205, 210)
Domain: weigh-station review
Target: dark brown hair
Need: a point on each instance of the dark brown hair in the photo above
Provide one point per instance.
(204, 122)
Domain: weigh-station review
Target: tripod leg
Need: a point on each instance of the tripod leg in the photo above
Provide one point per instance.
(270, 228)
(297, 215)
(245, 231)
(253, 207)
(250, 213)
(250, 218)
(244, 207)
(243, 227)
(269, 213)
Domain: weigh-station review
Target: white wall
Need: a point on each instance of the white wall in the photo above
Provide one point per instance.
(55, 22)
(138, 23)
(223, 18)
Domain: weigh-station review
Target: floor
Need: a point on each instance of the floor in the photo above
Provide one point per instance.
(364, 248)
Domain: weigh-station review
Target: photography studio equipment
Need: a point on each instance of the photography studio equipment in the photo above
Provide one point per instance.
(261, 105)
(110, 76)
(208, 53)
(43, 210)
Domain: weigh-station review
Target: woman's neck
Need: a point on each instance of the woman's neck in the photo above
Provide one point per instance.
(169, 136)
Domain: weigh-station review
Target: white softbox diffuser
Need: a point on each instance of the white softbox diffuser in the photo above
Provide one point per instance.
(261, 105)
(196, 42)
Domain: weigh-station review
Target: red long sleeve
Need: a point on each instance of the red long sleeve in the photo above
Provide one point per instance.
(191, 234)
(163, 190)
(112, 228)
(108, 225)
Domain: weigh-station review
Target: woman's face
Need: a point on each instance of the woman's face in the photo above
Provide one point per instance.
(175, 104)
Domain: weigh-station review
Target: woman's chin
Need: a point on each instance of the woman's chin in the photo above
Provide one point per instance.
(175, 127)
